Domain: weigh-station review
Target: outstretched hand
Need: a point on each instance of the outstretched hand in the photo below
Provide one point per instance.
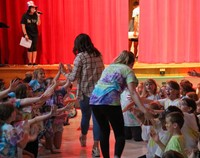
(69, 67)
(148, 116)
(154, 135)
(13, 84)
(49, 91)
(62, 68)
(192, 73)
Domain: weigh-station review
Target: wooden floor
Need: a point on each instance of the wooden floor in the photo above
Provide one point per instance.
(71, 147)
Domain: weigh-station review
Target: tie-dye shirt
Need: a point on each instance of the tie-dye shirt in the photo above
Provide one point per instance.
(8, 141)
(113, 81)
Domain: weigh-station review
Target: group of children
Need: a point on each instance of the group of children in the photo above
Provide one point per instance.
(32, 111)
(175, 124)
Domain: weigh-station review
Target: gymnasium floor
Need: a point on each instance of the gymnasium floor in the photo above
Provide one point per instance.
(71, 147)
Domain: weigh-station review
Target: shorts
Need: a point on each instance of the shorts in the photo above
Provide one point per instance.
(34, 43)
(134, 39)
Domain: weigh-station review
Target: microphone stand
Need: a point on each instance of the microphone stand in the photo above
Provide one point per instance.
(2, 25)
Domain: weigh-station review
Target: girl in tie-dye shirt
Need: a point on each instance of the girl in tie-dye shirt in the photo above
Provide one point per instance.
(10, 137)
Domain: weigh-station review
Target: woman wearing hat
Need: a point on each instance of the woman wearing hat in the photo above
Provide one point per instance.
(30, 21)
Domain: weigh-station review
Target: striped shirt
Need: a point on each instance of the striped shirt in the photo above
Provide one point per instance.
(87, 71)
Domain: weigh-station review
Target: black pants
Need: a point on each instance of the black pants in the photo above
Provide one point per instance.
(133, 132)
(32, 147)
(106, 115)
(34, 43)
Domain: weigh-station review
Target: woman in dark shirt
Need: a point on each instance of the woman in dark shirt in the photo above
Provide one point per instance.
(30, 21)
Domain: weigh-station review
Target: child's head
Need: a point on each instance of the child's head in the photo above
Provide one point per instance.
(174, 121)
(163, 115)
(192, 95)
(188, 105)
(153, 106)
(48, 81)
(172, 154)
(69, 88)
(28, 77)
(39, 74)
(140, 87)
(172, 90)
(2, 85)
(162, 92)
(7, 113)
(185, 87)
(150, 87)
(21, 91)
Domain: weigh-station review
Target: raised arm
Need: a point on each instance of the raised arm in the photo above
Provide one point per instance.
(128, 107)
(137, 100)
(135, 97)
(193, 73)
(44, 117)
(13, 85)
(25, 138)
(57, 76)
(43, 97)
(156, 138)
(68, 104)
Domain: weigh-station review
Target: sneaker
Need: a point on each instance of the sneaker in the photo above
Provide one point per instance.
(82, 140)
(95, 152)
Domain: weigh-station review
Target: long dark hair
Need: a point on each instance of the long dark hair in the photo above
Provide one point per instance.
(191, 103)
(83, 43)
(21, 91)
(5, 112)
(29, 9)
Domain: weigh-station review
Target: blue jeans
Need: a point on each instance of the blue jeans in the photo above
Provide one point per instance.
(86, 111)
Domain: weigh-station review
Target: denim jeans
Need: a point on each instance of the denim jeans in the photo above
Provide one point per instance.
(86, 111)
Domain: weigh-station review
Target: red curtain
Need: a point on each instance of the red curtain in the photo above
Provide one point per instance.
(169, 31)
(106, 21)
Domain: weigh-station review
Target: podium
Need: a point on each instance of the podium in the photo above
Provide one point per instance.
(3, 25)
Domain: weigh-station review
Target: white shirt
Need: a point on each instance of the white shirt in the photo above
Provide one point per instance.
(136, 12)
(168, 102)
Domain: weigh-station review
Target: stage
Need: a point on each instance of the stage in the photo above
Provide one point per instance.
(159, 72)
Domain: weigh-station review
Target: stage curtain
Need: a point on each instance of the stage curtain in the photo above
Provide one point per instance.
(169, 31)
(106, 21)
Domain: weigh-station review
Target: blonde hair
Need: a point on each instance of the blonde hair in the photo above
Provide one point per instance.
(36, 72)
(144, 92)
(125, 57)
